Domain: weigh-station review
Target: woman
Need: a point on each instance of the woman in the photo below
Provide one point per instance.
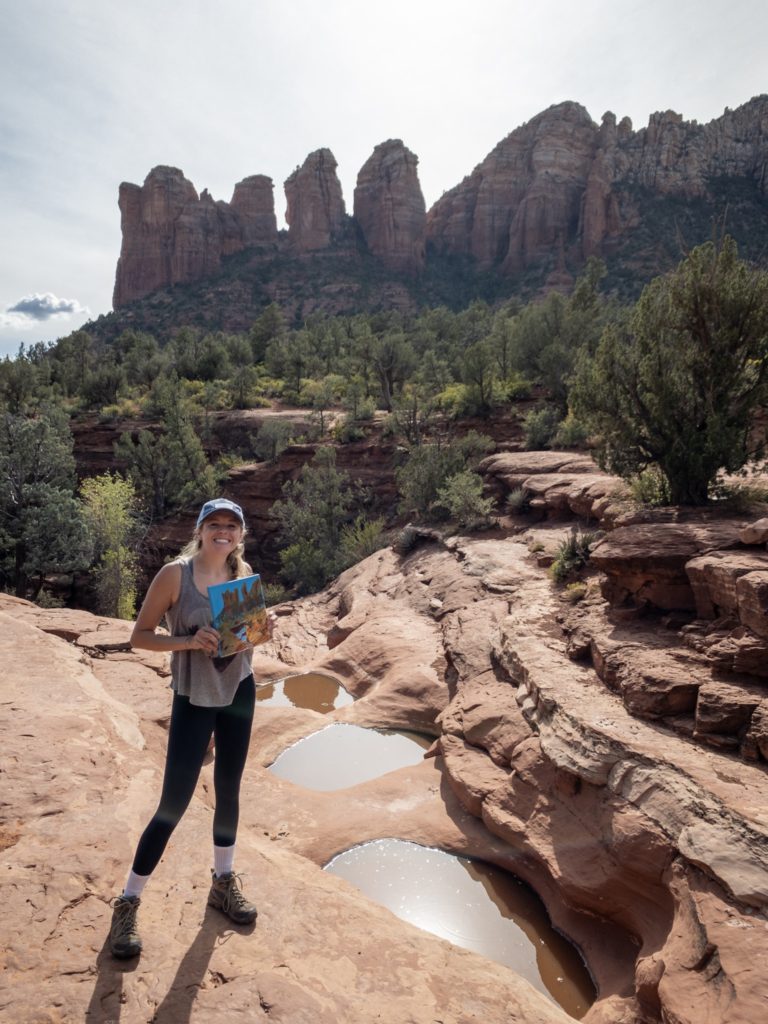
(213, 697)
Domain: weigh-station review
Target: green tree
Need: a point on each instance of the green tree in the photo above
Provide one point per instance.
(111, 511)
(393, 361)
(547, 336)
(170, 468)
(41, 525)
(71, 359)
(268, 326)
(678, 387)
(312, 516)
(18, 381)
(478, 370)
(429, 467)
(273, 437)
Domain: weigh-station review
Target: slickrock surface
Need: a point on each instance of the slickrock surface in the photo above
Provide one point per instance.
(82, 760)
(557, 484)
(389, 207)
(595, 780)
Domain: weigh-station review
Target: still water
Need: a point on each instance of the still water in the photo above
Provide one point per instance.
(474, 905)
(312, 691)
(344, 755)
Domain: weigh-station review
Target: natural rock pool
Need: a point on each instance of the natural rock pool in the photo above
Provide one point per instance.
(312, 691)
(343, 755)
(474, 905)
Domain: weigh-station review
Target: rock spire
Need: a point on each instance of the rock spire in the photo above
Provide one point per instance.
(389, 207)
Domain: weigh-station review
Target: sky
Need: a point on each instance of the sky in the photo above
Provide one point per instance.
(96, 92)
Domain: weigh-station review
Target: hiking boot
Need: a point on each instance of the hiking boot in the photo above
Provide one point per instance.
(227, 896)
(124, 940)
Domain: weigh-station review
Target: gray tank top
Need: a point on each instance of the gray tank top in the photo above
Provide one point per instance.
(208, 682)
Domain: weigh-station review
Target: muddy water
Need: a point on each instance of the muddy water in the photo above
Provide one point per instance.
(344, 755)
(476, 906)
(312, 691)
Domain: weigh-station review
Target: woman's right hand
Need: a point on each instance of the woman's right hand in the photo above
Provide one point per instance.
(205, 639)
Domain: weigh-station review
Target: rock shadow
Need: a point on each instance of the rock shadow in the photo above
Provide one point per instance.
(108, 997)
(192, 975)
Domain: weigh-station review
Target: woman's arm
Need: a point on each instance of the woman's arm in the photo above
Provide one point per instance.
(164, 592)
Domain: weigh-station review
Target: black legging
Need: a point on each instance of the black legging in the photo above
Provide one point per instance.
(188, 736)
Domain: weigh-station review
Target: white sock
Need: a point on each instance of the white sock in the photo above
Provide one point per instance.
(135, 884)
(223, 859)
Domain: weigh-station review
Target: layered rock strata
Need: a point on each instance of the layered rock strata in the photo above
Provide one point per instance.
(85, 723)
(648, 849)
(552, 193)
(389, 207)
(315, 215)
(173, 236)
(563, 180)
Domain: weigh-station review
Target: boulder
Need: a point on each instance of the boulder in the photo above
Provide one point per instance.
(646, 563)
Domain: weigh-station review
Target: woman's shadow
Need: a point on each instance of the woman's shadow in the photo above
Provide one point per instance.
(109, 997)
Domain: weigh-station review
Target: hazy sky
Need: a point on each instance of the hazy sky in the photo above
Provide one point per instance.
(95, 92)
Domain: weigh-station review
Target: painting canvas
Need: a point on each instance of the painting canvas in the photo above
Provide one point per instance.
(239, 613)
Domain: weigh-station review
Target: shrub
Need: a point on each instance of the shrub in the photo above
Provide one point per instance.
(273, 437)
(570, 433)
(430, 465)
(348, 430)
(572, 555)
(275, 593)
(361, 538)
(575, 592)
(517, 501)
(649, 488)
(462, 495)
(539, 427)
(516, 387)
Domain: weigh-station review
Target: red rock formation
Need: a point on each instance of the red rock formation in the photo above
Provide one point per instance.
(315, 214)
(389, 207)
(170, 236)
(254, 203)
(524, 198)
(559, 178)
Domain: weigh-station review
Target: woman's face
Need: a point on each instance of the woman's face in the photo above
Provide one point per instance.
(221, 532)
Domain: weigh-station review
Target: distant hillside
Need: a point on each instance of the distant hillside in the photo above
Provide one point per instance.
(556, 191)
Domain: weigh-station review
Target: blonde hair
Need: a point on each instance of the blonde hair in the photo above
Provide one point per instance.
(235, 560)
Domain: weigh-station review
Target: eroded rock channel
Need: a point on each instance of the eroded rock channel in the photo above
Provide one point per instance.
(611, 756)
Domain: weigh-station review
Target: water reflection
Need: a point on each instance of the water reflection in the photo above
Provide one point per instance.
(476, 906)
(343, 755)
(312, 691)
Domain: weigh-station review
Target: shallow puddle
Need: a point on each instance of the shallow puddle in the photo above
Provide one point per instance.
(474, 905)
(312, 691)
(343, 755)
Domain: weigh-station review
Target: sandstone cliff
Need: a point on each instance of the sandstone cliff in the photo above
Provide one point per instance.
(389, 207)
(173, 236)
(556, 191)
(315, 214)
(561, 179)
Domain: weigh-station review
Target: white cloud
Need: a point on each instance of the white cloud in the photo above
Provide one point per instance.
(38, 308)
